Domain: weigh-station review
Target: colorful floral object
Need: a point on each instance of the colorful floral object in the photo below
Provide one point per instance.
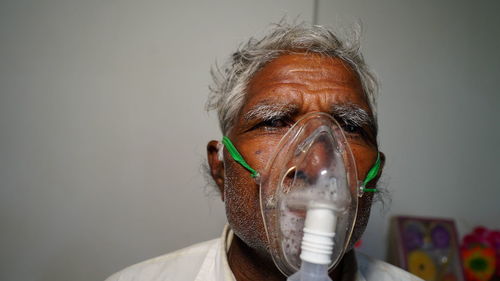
(440, 237)
(479, 263)
(421, 264)
(482, 237)
(413, 237)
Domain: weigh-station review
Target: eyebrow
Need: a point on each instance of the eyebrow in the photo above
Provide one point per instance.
(268, 110)
(352, 114)
(347, 113)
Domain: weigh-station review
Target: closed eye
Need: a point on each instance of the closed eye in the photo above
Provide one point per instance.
(357, 134)
(274, 124)
(352, 129)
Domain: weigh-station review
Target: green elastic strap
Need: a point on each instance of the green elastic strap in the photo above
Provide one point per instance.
(237, 156)
(372, 173)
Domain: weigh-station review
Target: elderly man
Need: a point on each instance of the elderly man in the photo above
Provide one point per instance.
(263, 90)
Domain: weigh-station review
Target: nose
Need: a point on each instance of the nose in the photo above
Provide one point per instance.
(318, 160)
(315, 159)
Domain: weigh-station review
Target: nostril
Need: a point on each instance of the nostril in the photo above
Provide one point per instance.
(288, 180)
(300, 175)
(296, 179)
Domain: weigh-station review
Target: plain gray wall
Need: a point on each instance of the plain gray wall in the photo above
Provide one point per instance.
(103, 129)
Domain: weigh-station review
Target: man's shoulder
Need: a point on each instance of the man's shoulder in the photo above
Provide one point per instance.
(373, 269)
(172, 266)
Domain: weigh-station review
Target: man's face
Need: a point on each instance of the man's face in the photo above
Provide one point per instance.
(282, 92)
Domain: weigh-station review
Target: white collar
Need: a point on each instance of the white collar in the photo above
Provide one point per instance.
(215, 267)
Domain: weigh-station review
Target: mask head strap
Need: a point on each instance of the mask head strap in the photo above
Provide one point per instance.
(237, 157)
(372, 173)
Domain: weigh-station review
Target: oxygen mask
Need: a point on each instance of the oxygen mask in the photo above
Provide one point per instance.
(312, 164)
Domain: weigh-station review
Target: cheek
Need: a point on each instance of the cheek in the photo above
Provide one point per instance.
(242, 204)
(240, 190)
(258, 151)
(365, 158)
(364, 209)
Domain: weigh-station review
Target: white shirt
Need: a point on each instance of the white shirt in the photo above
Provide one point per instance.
(207, 261)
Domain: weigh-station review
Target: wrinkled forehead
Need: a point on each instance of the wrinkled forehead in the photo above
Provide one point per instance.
(297, 66)
(308, 82)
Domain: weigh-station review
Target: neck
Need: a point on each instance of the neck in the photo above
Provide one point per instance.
(248, 264)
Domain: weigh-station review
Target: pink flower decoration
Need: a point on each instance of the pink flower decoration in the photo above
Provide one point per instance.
(481, 236)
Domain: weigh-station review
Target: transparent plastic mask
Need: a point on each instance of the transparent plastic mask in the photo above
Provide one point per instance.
(312, 164)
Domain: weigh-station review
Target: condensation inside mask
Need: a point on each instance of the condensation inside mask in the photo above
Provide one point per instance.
(312, 164)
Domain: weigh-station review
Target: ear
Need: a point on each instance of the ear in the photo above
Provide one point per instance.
(216, 164)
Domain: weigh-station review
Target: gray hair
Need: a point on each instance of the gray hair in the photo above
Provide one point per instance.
(227, 93)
